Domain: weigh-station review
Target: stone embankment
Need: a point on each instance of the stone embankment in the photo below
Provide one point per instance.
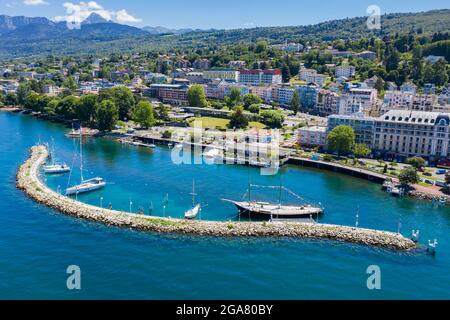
(429, 197)
(28, 180)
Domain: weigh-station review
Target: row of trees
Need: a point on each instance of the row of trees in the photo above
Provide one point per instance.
(101, 111)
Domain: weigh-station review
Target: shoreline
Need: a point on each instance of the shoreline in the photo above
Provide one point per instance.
(27, 179)
(292, 160)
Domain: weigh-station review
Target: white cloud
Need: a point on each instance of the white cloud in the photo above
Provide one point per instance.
(123, 16)
(76, 13)
(34, 2)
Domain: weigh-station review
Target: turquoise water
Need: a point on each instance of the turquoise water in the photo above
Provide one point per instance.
(37, 244)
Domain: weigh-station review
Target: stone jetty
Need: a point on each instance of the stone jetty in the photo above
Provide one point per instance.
(28, 180)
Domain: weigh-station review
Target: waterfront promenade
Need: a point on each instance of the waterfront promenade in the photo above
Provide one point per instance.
(28, 180)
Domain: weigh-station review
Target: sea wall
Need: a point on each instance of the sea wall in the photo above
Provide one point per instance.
(28, 181)
(428, 196)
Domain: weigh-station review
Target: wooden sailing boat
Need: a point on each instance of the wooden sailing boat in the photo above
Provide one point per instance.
(275, 210)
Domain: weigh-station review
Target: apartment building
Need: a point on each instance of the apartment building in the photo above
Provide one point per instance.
(308, 96)
(283, 95)
(257, 77)
(345, 71)
(311, 76)
(228, 75)
(327, 103)
(312, 136)
(169, 93)
(402, 133)
(363, 126)
(367, 98)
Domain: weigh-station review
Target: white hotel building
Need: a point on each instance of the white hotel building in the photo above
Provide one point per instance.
(403, 133)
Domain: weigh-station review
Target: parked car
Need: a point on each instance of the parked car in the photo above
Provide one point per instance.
(441, 171)
(441, 184)
(428, 174)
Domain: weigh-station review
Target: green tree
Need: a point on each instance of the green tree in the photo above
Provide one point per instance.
(238, 119)
(416, 162)
(196, 96)
(408, 176)
(285, 73)
(22, 92)
(295, 102)
(143, 114)
(11, 99)
(261, 46)
(272, 118)
(250, 99)
(341, 139)
(162, 112)
(32, 101)
(124, 100)
(70, 83)
(234, 98)
(440, 77)
(67, 107)
(361, 150)
(51, 106)
(254, 108)
(86, 108)
(107, 115)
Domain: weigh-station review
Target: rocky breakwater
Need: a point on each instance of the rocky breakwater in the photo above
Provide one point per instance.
(28, 180)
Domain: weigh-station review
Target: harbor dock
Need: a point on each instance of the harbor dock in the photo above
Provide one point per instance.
(28, 180)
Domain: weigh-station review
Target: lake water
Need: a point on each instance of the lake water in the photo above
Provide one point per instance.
(37, 244)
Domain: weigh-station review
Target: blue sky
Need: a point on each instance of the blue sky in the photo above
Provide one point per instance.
(204, 14)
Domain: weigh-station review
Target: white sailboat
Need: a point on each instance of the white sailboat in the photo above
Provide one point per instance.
(193, 213)
(54, 167)
(85, 185)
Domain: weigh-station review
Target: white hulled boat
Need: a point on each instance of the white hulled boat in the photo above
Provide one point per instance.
(85, 185)
(54, 167)
(193, 213)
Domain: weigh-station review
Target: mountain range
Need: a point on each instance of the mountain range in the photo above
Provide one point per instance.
(24, 36)
(40, 27)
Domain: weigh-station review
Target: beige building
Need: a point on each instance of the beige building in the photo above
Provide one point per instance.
(312, 136)
(403, 133)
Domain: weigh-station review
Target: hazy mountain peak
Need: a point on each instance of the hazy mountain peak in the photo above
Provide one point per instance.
(94, 18)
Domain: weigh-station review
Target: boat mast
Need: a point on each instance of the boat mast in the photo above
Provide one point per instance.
(53, 152)
(249, 186)
(81, 154)
(281, 191)
(193, 192)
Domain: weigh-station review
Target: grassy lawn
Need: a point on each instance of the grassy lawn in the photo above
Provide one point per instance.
(213, 123)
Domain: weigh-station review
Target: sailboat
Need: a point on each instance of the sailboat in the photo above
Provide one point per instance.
(275, 210)
(192, 213)
(85, 185)
(54, 167)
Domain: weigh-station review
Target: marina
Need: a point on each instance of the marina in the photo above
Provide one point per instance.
(28, 181)
(147, 176)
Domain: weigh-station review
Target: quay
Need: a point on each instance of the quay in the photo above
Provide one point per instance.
(28, 180)
(336, 167)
